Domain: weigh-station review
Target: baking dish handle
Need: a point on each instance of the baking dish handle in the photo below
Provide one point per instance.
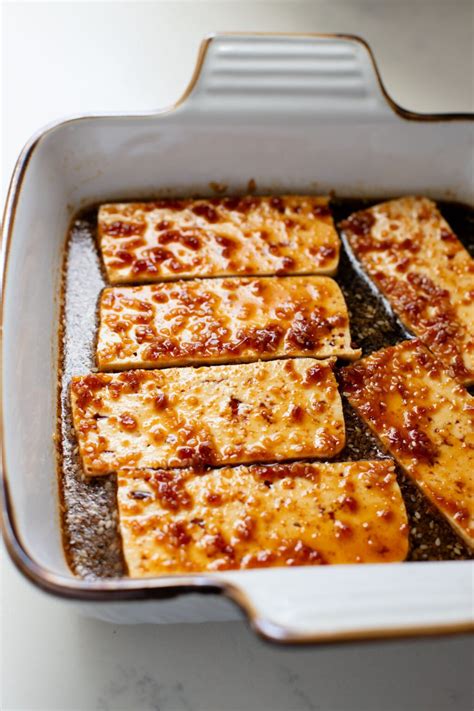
(273, 74)
(341, 602)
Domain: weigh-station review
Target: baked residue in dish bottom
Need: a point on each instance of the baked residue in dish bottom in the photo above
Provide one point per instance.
(89, 510)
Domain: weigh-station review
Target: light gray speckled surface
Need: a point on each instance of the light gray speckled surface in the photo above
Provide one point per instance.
(54, 659)
(141, 56)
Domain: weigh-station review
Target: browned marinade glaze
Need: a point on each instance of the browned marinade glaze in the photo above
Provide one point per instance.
(212, 321)
(412, 255)
(89, 509)
(425, 419)
(167, 239)
(233, 517)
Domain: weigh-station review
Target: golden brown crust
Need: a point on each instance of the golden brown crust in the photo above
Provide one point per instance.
(425, 419)
(228, 414)
(180, 521)
(168, 239)
(412, 255)
(209, 321)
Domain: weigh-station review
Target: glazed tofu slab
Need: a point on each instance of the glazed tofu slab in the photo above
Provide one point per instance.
(209, 321)
(425, 419)
(229, 414)
(168, 239)
(413, 257)
(184, 521)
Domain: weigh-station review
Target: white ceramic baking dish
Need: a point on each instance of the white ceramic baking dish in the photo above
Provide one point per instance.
(295, 114)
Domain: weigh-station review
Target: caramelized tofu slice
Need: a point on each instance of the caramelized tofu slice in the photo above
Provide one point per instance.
(228, 414)
(213, 321)
(412, 255)
(167, 239)
(425, 419)
(183, 521)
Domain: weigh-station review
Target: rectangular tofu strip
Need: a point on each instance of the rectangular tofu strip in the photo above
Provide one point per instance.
(226, 414)
(167, 239)
(213, 321)
(184, 521)
(413, 257)
(425, 419)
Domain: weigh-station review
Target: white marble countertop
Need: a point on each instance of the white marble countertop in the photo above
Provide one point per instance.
(63, 58)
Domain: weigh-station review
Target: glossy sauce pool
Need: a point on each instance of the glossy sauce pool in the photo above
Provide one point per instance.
(89, 510)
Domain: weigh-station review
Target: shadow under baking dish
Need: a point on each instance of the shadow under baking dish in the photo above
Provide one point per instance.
(89, 509)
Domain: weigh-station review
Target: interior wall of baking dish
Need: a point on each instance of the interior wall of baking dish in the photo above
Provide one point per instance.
(225, 132)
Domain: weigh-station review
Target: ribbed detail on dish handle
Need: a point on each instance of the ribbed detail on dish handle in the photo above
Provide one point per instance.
(290, 74)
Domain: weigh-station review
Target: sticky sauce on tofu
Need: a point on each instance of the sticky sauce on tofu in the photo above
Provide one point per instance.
(425, 419)
(168, 239)
(222, 320)
(180, 521)
(229, 414)
(412, 255)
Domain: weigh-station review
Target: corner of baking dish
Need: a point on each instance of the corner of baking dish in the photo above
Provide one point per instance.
(260, 78)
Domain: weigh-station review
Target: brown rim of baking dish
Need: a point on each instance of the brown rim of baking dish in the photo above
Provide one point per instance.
(164, 587)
